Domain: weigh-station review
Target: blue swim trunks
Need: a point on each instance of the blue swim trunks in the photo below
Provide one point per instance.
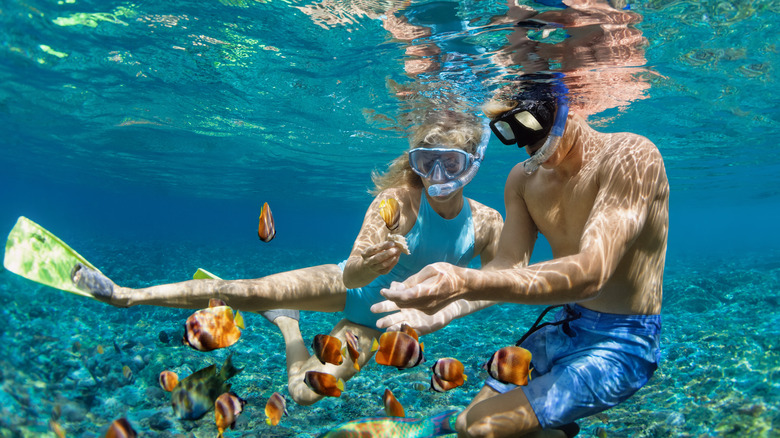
(587, 365)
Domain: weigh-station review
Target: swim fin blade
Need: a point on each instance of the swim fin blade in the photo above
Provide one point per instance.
(36, 254)
(202, 274)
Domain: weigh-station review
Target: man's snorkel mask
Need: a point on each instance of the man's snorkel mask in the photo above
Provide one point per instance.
(541, 111)
(466, 177)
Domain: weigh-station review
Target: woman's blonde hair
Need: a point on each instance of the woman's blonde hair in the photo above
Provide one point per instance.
(446, 128)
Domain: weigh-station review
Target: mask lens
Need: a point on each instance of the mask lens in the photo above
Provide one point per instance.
(504, 130)
(452, 161)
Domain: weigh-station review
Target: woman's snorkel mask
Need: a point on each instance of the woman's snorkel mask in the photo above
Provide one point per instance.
(464, 178)
(541, 111)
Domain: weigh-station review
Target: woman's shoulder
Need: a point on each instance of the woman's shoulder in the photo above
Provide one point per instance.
(481, 211)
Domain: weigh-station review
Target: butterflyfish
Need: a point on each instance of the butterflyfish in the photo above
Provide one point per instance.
(227, 408)
(328, 349)
(398, 349)
(353, 348)
(440, 385)
(324, 383)
(121, 428)
(393, 407)
(510, 365)
(196, 394)
(266, 230)
(275, 408)
(392, 427)
(168, 380)
(449, 369)
(390, 211)
(213, 328)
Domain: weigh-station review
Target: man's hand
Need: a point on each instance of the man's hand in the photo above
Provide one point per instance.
(428, 291)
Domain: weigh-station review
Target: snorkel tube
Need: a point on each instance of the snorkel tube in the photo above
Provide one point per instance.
(554, 139)
(447, 188)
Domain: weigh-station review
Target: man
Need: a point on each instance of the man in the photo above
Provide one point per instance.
(601, 200)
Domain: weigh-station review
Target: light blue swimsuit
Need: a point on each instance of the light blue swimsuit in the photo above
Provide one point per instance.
(432, 239)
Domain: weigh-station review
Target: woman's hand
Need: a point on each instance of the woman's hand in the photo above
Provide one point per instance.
(381, 258)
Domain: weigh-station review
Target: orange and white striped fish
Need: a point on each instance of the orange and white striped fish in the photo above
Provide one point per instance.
(275, 408)
(227, 408)
(510, 365)
(440, 385)
(213, 328)
(324, 383)
(450, 369)
(398, 349)
(121, 428)
(353, 348)
(168, 380)
(328, 349)
(266, 230)
(393, 407)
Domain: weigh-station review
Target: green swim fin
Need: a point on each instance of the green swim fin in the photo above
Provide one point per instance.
(38, 255)
(202, 274)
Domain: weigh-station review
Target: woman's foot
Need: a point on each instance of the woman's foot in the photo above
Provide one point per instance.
(92, 281)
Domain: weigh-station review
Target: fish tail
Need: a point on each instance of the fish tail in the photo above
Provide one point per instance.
(443, 423)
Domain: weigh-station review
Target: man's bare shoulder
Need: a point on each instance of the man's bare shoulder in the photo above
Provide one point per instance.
(633, 150)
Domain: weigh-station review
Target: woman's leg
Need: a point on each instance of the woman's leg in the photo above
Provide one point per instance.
(299, 361)
(318, 288)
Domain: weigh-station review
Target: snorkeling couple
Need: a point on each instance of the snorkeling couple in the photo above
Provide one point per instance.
(601, 200)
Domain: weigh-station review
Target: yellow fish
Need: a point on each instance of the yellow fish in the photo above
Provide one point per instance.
(390, 211)
(450, 370)
(275, 408)
(353, 348)
(328, 349)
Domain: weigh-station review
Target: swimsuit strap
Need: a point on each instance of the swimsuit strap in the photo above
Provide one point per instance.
(573, 314)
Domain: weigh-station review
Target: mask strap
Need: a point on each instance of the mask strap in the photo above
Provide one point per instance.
(447, 188)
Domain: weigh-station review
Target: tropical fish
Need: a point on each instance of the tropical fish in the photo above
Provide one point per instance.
(324, 383)
(275, 408)
(393, 427)
(390, 211)
(196, 394)
(353, 348)
(328, 349)
(227, 408)
(449, 369)
(127, 372)
(398, 349)
(121, 428)
(510, 365)
(266, 230)
(212, 328)
(56, 428)
(168, 380)
(440, 385)
(393, 407)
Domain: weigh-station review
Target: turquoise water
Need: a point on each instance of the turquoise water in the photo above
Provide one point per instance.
(147, 135)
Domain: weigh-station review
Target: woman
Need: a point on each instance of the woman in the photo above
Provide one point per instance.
(447, 227)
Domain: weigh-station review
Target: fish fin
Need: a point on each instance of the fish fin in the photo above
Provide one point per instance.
(357, 365)
(422, 347)
(465, 377)
(340, 384)
(375, 345)
(239, 319)
(268, 421)
(228, 369)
